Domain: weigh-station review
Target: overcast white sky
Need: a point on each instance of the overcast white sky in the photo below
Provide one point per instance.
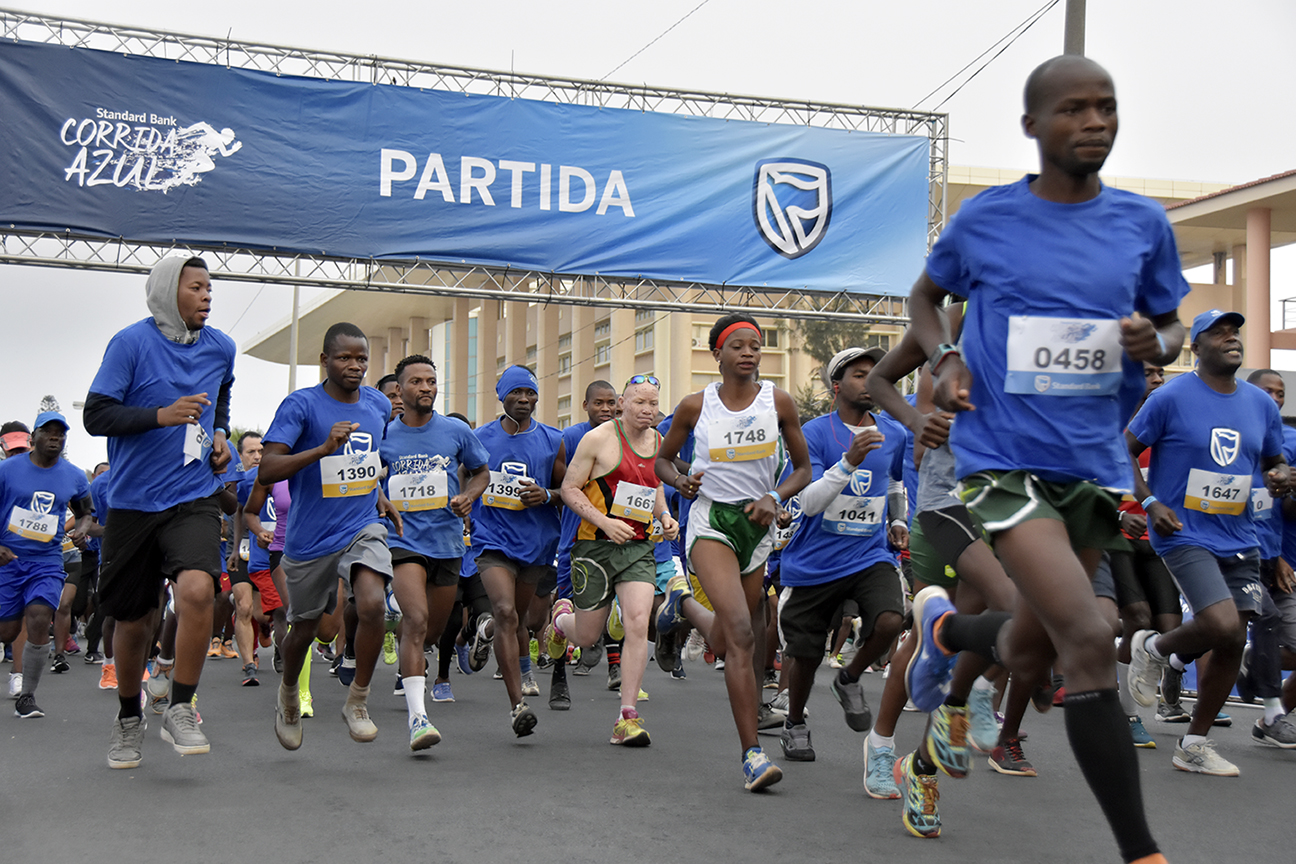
(1201, 86)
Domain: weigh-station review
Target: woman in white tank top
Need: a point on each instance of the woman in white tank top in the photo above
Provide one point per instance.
(737, 424)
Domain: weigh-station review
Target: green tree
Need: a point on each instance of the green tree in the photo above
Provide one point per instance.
(811, 402)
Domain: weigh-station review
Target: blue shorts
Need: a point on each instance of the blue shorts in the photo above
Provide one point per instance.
(1205, 578)
(23, 583)
(666, 571)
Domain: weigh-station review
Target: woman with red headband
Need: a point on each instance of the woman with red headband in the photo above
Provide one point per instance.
(737, 424)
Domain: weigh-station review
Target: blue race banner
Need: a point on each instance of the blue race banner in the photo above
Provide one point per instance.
(158, 151)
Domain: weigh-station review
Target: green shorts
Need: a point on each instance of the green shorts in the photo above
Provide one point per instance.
(728, 524)
(597, 566)
(1005, 499)
(927, 565)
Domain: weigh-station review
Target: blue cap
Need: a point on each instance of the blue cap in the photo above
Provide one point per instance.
(515, 378)
(1209, 319)
(50, 417)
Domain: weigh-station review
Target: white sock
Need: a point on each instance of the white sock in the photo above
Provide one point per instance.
(877, 740)
(1177, 663)
(983, 683)
(1192, 739)
(1273, 709)
(415, 695)
(565, 623)
(1122, 689)
(1150, 644)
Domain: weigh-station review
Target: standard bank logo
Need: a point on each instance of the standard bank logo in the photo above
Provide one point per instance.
(1224, 445)
(860, 482)
(792, 204)
(42, 502)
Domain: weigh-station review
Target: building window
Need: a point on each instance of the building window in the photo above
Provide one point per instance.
(531, 353)
(564, 341)
(499, 364)
(602, 353)
(564, 363)
(772, 337)
(643, 315)
(643, 340)
(564, 403)
(603, 329)
(564, 421)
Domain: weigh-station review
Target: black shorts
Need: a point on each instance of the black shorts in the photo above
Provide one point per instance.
(806, 612)
(529, 574)
(473, 597)
(89, 569)
(240, 571)
(1142, 577)
(274, 559)
(142, 550)
(440, 572)
(949, 531)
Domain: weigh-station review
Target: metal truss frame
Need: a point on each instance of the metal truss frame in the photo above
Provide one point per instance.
(120, 254)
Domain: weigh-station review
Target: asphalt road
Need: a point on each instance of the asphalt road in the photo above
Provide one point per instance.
(564, 794)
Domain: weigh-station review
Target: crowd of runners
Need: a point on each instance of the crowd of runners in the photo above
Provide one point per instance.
(1020, 529)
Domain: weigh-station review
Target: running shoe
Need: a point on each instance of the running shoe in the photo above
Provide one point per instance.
(250, 675)
(1171, 685)
(780, 703)
(1145, 670)
(590, 657)
(1222, 720)
(499, 673)
(947, 741)
(278, 661)
(326, 651)
(533, 650)
(15, 684)
(346, 671)
(796, 742)
(666, 651)
(214, 650)
(108, 677)
(441, 692)
(695, 647)
(288, 717)
(359, 726)
(719, 664)
(642, 696)
(928, 675)
(1140, 734)
(544, 661)
(559, 694)
(423, 734)
(180, 730)
(126, 744)
(771, 679)
(879, 771)
(983, 731)
(1172, 712)
(481, 645)
(678, 672)
(614, 676)
(461, 659)
(1245, 687)
(1201, 758)
(1280, 733)
(615, 626)
(26, 707)
(389, 648)
(523, 719)
(555, 641)
(60, 664)
(70, 645)
(93, 658)
(399, 689)
(921, 792)
(1009, 758)
(835, 662)
(671, 614)
(629, 732)
(307, 703)
(529, 685)
(227, 651)
(769, 718)
(758, 771)
(859, 717)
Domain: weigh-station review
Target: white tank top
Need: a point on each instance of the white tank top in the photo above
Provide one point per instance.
(738, 450)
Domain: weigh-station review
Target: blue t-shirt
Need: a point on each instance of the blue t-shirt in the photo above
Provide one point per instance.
(319, 526)
(1206, 448)
(1056, 278)
(442, 444)
(569, 520)
(99, 500)
(851, 535)
(529, 535)
(42, 492)
(910, 467)
(258, 558)
(1288, 525)
(143, 368)
(685, 504)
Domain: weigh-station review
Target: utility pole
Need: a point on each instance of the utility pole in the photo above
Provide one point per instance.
(1073, 42)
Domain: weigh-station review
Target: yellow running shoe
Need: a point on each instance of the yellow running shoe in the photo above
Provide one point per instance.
(389, 648)
(615, 626)
(629, 732)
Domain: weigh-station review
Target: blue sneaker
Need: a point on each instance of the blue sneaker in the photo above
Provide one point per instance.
(921, 814)
(461, 659)
(1140, 733)
(346, 672)
(928, 674)
(983, 731)
(670, 615)
(441, 692)
(423, 734)
(1222, 719)
(759, 771)
(879, 771)
(399, 689)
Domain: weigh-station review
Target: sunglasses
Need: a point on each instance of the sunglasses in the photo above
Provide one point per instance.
(644, 379)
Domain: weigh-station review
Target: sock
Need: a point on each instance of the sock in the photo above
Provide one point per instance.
(1128, 705)
(34, 658)
(628, 713)
(921, 765)
(130, 707)
(415, 695)
(356, 693)
(182, 693)
(983, 683)
(1191, 739)
(975, 633)
(613, 652)
(1150, 645)
(524, 663)
(303, 679)
(1099, 733)
(877, 740)
(1272, 708)
(565, 623)
(1178, 663)
(844, 677)
(163, 664)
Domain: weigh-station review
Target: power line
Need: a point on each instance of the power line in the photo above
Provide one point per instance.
(1011, 36)
(655, 41)
(245, 310)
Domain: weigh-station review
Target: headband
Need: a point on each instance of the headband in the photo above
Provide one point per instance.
(738, 325)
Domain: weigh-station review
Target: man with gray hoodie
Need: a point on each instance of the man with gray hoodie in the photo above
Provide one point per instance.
(162, 397)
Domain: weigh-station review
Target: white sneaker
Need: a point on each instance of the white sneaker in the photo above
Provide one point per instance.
(1201, 758)
(529, 685)
(695, 647)
(1145, 671)
(15, 684)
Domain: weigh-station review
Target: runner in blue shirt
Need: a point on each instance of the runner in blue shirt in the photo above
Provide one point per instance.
(36, 488)
(1054, 268)
(324, 440)
(1210, 436)
(162, 397)
(424, 453)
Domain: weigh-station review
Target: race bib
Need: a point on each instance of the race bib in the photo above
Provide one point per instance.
(349, 475)
(1262, 504)
(245, 548)
(634, 502)
(426, 491)
(1213, 492)
(657, 531)
(854, 515)
(783, 536)
(1063, 356)
(197, 443)
(40, 527)
(743, 439)
(505, 490)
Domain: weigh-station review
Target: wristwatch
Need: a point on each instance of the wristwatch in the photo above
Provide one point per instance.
(942, 351)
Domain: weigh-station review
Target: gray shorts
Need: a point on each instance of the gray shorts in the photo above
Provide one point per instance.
(527, 574)
(1104, 582)
(1286, 604)
(312, 585)
(1205, 579)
